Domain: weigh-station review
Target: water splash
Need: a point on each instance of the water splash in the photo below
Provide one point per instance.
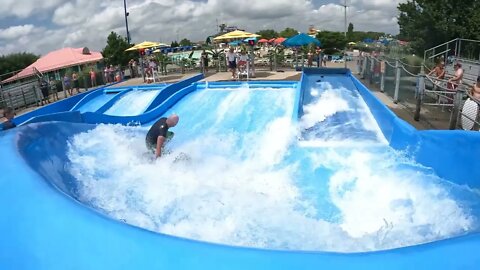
(248, 183)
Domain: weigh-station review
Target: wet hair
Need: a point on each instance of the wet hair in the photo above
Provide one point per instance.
(458, 65)
(478, 79)
(8, 111)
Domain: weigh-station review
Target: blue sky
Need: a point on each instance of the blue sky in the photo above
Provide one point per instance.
(40, 27)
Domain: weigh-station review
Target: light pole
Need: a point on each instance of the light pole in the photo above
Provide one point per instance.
(345, 31)
(126, 20)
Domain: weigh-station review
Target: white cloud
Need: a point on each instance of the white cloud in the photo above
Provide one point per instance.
(87, 23)
(26, 8)
(15, 32)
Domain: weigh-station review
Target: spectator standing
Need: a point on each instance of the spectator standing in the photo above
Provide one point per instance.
(204, 61)
(231, 58)
(105, 75)
(111, 74)
(93, 78)
(134, 69)
(67, 83)
(318, 56)
(75, 82)
(44, 90)
(53, 89)
(309, 59)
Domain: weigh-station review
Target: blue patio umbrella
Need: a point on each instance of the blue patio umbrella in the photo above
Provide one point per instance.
(301, 40)
(235, 43)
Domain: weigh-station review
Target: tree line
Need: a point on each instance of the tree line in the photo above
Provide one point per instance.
(428, 23)
(16, 62)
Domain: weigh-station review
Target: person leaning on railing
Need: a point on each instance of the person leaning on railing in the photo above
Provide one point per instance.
(439, 71)
(475, 90)
(456, 80)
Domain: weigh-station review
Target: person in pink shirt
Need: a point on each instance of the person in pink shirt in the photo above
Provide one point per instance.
(93, 77)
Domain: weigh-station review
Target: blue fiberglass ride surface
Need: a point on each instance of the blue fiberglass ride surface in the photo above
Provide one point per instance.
(44, 229)
(96, 103)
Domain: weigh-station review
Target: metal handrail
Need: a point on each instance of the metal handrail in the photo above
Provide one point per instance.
(467, 60)
(433, 48)
(435, 55)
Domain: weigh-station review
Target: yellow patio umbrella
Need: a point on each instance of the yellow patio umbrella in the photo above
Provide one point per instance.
(352, 43)
(236, 34)
(145, 45)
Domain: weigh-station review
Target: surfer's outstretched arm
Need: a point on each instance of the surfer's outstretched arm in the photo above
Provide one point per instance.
(158, 150)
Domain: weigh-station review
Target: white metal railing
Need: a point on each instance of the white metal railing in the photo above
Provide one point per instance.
(424, 90)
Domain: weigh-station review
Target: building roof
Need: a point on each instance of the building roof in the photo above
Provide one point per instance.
(63, 58)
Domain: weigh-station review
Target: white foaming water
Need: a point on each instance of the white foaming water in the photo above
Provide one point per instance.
(390, 200)
(249, 196)
(133, 103)
(329, 101)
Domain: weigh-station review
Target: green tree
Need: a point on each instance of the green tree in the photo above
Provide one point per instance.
(185, 42)
(350, 32)
(114, 52)
(268, 33)
(288, 32)
(174, 44)
(16, 61)
(332, 41)
(427, 23)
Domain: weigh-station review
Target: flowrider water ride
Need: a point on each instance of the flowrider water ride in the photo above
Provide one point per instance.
(309, 174)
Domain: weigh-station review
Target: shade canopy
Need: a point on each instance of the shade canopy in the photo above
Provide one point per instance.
(279, 40)
(263, 40)
(59, 59)
(301, 40)
(146, 45)
(236, 34)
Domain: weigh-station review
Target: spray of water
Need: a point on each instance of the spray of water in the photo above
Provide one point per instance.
(337, 114)
(250, 195)
(133, 103)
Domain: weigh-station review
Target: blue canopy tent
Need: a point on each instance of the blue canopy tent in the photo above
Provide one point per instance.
(300, 40)
(254, 39)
